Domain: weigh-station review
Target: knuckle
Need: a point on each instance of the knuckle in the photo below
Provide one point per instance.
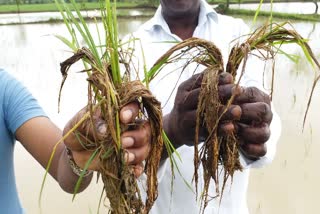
(266, 135)
(251, 94)
(266, 112)
(263, 109)
(263, 136)
(256, 95)
(183, 86)
(266, 98)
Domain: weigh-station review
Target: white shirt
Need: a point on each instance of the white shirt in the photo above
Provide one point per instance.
(154, 38)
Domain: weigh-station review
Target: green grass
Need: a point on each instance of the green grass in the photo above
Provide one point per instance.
(254, 1)
(285, 16)
(94, 5)
(52, 7)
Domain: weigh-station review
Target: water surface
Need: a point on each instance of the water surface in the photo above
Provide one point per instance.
(289, 185)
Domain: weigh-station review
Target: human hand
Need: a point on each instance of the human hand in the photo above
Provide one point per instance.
(248, 117)
(135, 140)
(253, 128)
(181, 122)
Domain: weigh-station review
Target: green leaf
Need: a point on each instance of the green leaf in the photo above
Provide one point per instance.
(67, 42)
(76, 189)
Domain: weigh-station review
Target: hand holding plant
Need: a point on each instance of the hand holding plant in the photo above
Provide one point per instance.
(135, 140)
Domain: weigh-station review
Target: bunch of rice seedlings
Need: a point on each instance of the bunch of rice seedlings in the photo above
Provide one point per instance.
(109, 89)
(224, 150)
(268, 40)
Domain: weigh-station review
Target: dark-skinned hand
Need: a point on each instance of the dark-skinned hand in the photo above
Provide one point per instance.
(253, 129)
(136, 140)
(180, 123)
(249, 116)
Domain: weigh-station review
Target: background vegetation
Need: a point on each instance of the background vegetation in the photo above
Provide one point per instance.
(48, 5)
(151, 2)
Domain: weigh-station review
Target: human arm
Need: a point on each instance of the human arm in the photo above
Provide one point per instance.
(27, 122)
(39, 136)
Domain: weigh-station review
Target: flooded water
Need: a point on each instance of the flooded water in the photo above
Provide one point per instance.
(293, 7)
(47, 16)
(289, 185)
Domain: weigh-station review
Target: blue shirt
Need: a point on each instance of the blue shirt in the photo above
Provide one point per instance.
(17, 106)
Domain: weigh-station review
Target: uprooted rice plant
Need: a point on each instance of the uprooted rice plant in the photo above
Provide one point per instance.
(264, 43)
(109, 89)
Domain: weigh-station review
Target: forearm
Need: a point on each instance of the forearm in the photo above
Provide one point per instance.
(67, 178)
(40, 137)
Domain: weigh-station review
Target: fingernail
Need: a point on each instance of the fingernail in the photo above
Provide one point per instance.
(138, 170)
(223, 75)
(102, 128)
(127, 142)
(236, 112)
(127, 115)
(129, 157)
(229, 128)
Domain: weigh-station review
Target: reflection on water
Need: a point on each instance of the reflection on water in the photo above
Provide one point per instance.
(46, 16)
(293, 7)
(32, 54)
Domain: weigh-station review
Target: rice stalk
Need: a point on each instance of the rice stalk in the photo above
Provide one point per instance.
(109, 89)
(268, 39)
(224, 150)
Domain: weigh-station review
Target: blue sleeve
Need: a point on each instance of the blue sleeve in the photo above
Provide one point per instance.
(19, 105)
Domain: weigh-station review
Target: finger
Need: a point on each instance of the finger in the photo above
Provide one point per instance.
(256, 113)
(85, 134)
(129, 112)
(137, 142)
(138, 170)
(233, 112)
(193, 85)
(227, 91)
(129, 157)
(226, 128)
(252, 95)
(193, 82)
(137, 155)
(253, 134)
(138, 152)
(137, 137)
(253, 151)
(225, 78)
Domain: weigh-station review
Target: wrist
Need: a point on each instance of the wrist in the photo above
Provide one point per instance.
(74, 167)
